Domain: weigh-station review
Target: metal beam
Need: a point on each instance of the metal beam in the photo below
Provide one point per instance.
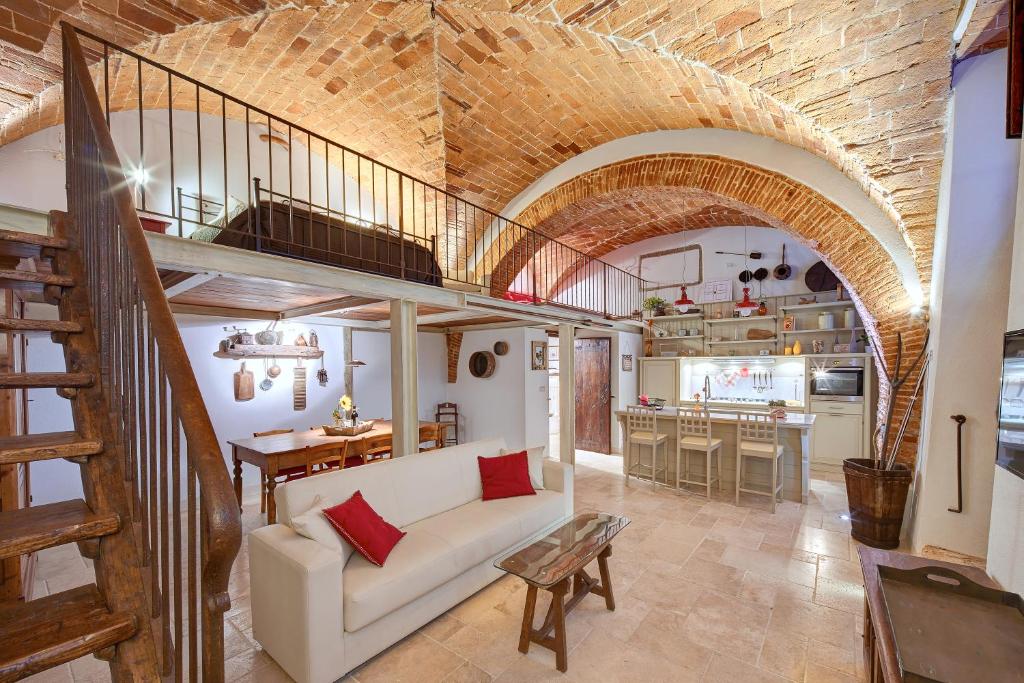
(189, 284)
(344, 303)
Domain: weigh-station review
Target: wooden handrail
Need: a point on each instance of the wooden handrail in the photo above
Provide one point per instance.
(220, 514)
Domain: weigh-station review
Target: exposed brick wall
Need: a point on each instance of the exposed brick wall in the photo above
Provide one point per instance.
(988, 29)
(588, 212)
(496, 92)
(453, 341)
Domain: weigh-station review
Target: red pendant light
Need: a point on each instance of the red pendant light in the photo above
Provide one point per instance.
(746, 307)
(683, 300)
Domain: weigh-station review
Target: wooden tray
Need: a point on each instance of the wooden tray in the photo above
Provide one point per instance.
(948, 628)
(355, 430)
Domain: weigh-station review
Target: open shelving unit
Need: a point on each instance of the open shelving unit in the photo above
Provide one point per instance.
(718, 317)
(270, 351)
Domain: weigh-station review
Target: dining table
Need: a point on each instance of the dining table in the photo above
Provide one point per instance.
(276, 452)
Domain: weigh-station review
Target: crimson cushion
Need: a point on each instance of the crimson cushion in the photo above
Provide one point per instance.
(505, 476)
(364, 529)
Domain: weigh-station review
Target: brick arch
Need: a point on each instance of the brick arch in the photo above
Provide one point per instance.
(765, 197)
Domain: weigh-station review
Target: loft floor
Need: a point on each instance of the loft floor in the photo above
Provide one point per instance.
(706, 591)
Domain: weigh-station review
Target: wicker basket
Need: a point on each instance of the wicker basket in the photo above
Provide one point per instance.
(330, 430)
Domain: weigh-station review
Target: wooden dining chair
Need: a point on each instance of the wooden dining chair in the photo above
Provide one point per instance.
(432, 434)
(376, 448)
(283, 475)
(327, 461)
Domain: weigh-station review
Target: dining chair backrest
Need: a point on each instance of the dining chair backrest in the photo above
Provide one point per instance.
(332, 458)
(641, 419)
(377, 445)
(431, 433)
(758, 427)
(691, 422)
(273, 432)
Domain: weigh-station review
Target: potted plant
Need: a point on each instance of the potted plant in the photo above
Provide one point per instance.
(656, 305)
(877, 487)
(777, 408)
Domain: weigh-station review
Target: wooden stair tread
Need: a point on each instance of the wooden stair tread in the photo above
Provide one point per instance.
(35, 447)
(27, 244)
(41, 634)
(27, 325)
(33, 238)
(29, 277)
(30, 380)
(27, 530)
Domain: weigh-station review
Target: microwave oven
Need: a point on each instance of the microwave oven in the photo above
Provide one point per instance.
(1010, 449)
(842, 384)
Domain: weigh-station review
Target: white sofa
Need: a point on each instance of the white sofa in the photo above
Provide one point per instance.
(320, 614)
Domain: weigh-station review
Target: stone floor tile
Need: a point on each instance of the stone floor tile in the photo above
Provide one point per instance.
(467, 673)
(784, 654)
(416, 658)
(813, 621)
(724, 668)
(843, 595)
(817, 673)
(720, 577)
(832, 543)
(841, 659)
(728, 625)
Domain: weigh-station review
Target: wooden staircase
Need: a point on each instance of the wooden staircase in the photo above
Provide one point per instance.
(110, 618)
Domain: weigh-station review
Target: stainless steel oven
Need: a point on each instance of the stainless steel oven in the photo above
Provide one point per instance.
(838, 383)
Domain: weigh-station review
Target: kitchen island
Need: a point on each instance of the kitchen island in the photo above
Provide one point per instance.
(795, 432)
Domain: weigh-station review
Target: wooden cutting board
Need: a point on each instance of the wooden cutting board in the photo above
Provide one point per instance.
(245, 385)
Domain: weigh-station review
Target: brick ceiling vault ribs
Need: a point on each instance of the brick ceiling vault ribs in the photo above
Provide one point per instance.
(490, 94)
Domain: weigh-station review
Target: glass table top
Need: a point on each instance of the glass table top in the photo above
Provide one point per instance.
(550, 557)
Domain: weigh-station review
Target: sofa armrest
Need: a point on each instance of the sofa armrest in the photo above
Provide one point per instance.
(296, 596)
(558, 477)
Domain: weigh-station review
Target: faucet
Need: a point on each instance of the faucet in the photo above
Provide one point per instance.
(707, 390)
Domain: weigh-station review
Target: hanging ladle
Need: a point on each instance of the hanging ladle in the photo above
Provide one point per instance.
(274, 370)
(267, 383)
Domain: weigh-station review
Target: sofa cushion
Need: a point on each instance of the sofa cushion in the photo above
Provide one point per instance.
(366, 531)
(505, 476)
(476, 531)
(417, 565)
(535, 456)
(314, 525)
(534, 512)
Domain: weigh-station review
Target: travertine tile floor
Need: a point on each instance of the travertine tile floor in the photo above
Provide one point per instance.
(706, 591)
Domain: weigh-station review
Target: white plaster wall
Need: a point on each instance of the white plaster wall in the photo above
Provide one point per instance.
(968, 311)
(796, 163)
(31, 176)
(768, 241)
(56, 480)
(512, 402)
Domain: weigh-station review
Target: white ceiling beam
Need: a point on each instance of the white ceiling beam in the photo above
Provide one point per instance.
(188, 284)
(345, 303)
(196, 256)
(222, 312)
(434, 318)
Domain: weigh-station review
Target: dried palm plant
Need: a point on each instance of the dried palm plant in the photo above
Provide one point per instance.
(885, 455)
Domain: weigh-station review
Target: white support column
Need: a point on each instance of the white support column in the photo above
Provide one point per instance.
(567, 393)
(346, 353)
(404, 399)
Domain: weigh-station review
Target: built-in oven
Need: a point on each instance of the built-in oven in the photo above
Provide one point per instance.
(838, 383)
(1010, 454)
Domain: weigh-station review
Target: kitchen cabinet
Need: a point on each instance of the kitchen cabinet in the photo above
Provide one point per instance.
(661, 378)
(838, 433)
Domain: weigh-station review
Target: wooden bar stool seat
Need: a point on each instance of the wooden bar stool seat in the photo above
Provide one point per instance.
(642, 430)
(693, 434)
(757, 436)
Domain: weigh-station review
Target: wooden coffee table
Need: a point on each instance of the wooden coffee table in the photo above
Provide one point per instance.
(554, 560)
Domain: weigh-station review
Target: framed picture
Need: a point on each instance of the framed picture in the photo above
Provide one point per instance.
(627, 362)
(538, 355)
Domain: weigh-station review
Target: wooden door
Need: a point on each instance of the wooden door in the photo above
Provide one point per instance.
(593, 394)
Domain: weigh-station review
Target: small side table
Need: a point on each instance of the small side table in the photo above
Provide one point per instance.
(556, 560)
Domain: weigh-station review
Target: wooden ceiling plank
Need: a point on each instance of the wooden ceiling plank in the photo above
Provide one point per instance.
(344, 303)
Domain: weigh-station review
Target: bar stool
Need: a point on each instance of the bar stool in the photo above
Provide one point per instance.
(693, 433)
(642, 430)
(757, 436)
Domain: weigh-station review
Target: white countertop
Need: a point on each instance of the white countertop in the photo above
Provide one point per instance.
(791, 421)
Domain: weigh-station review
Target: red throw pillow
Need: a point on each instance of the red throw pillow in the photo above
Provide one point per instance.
(361, 526)
(506, 476)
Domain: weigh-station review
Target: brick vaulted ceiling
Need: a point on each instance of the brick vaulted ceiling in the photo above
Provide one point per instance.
(487, 95)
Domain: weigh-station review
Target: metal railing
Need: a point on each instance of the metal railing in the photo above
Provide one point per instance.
(286, 190)
(184, 509)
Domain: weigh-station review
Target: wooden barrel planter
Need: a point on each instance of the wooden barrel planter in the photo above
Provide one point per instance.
(877, 498)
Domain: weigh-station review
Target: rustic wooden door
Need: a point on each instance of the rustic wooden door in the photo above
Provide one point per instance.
(593, 394)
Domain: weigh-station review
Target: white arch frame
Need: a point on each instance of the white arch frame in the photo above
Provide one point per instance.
(793, 162)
